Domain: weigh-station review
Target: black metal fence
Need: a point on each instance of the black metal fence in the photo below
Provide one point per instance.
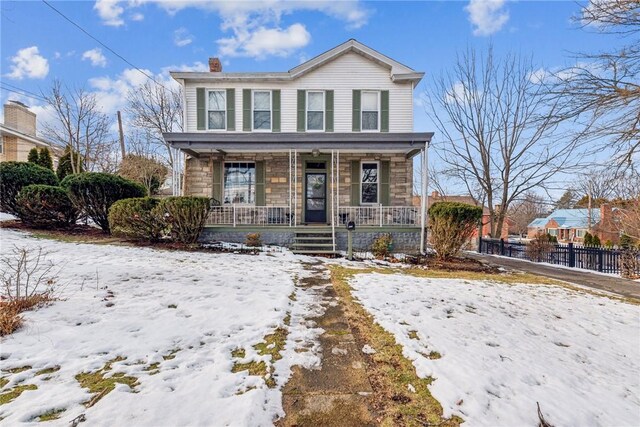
(569, 255)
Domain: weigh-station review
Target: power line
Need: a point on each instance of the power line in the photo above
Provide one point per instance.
(24, 90)
(102, 44)
(22, 93)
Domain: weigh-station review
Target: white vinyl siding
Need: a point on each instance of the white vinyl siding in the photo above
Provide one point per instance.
(342, 75)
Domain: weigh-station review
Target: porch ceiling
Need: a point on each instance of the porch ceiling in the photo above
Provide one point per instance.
(196, 143)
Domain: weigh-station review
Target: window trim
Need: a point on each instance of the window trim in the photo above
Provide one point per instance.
(224, 169)
(377, 162)
(1, 144)
(306, 110)
(362, 92)
(253, 92)
(224, 92)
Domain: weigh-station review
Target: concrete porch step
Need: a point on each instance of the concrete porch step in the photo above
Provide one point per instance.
(313, 245)
(314, 252)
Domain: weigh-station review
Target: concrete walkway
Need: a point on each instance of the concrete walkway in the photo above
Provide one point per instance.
(337, 393)
(617, 285)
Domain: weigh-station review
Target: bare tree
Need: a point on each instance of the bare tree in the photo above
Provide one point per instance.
(598, 183)
(601, 93)
(496, 124)
(79, 124)
(524, 210)
(157, 109)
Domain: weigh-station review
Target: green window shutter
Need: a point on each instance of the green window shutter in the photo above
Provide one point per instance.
(201, 108)
(217, 183)
(328, 114)
(355, 183)
(302, 99)
(260, 183)
(385, 195)
(246, 110)
(356, 111)
(275, 105)
(231, 109)
(384, 111)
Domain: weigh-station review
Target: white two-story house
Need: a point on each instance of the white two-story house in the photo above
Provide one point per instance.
(297, 155)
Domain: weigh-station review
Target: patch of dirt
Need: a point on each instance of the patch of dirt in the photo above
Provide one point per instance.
(452, 264)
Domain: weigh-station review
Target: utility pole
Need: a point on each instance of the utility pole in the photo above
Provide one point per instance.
(121, 135)
(589, 207)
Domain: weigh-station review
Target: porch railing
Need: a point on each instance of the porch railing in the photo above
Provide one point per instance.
(372, 216)
(377, 215)
(249, 215)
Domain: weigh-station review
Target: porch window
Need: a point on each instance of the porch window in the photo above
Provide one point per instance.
(370, 106)
(553, 232)
(315, 110)
(262, 110)
(239, 183)
(369, 183)
(580, 232)
(216, 109)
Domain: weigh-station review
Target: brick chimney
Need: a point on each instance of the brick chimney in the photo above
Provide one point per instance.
(215, 66)
(435, 194)
(606, 213)
(19, 117)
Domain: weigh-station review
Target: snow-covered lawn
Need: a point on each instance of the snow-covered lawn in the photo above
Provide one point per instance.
(505, 347)
(174, 318)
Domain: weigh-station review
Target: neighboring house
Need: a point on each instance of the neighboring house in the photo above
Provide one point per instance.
(486, 217)
(571, 225)
(305, 151)
(18, 134)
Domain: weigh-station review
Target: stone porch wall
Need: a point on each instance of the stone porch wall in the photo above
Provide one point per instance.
(199, 177)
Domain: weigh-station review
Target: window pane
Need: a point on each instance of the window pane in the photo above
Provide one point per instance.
(262, 120)
(369, 101)
(369, 172)
(369, 120)
(315, 101)
(315, 120)
(315, 204)
(315, 186)
(216, 119)
(369, 193)
(216, 100)
(239, 183)
(262, 100)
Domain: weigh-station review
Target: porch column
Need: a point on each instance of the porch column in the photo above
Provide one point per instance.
(295, 187)
(424, 158)
(290, 194)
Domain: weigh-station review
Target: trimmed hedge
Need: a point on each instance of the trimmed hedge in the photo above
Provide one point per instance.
(138, 218)
(16, 175)
(452, 224)
(186, 216)
(46, 206)
(94, 192)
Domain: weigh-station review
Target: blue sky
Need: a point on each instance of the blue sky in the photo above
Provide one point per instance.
(38, 45)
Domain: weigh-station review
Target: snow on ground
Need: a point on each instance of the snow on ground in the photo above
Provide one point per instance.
(506, 347)
(204, 305)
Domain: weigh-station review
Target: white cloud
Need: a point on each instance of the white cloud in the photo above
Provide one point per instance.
(29, 63)
(137, 17)
(96, 57)
(248, 21)
(181, 37)
(263, 42)
(110, 11)
(487, 16)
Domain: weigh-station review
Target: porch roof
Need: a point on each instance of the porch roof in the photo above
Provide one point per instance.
(197, 143)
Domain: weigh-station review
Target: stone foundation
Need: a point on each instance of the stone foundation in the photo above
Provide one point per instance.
(403, 241)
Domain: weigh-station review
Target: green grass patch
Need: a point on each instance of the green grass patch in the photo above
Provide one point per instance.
(389, 372)
(99, 384)
(4, 381)
(287, 319)
(15, 392)
(434, 355)
(171, 355)
(50, 415)
(413, 335)
(46, 371)
(273, 344)
(292, 297)
(239, 353)
(18, 370)
(253, 368)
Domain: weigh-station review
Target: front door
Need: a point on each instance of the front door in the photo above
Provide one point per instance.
(315, 197)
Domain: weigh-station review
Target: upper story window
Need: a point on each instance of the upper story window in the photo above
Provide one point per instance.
(262, 110)
(315, 110)
(239, 183)
(217, 109)
(370, 110)
(369, 182)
